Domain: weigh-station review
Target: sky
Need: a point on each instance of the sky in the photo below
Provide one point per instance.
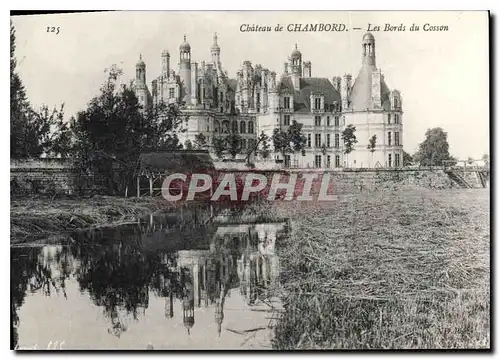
(443, 76)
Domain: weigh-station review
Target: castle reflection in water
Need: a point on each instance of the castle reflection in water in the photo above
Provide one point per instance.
(191, 263)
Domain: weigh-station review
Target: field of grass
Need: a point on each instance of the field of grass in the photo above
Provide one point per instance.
(31, 218)
(387, 270)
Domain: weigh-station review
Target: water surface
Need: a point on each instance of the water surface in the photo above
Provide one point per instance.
(179, 281)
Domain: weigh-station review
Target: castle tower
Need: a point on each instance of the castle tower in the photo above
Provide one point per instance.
(215, 51)
(296, 59)
(368, 49)
(185, 70)
(140, 82)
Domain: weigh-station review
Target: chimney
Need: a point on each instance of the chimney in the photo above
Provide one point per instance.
(346, 89)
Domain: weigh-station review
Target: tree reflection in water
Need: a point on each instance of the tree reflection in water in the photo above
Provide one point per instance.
(117, 269)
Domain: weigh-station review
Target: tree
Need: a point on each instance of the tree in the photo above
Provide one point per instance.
(470, 160)
(407, 159)
(219, 145)
(233, 143)
(161, 125)
(200, 142)
(434, 150)
(33, 133)
(372, 144)
(349, 138)
(112, 131)
(188, 145)
(264, 151)
(289, 141)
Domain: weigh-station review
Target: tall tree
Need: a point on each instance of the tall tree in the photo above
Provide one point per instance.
(349, 138)
(291, 140)
(434, 150)
(407, 159)
(33, 132)
(264, 151)
(112, 131)
(23, 144)
(233, 143)
(219, 146)
(200, 142)
(372, 144)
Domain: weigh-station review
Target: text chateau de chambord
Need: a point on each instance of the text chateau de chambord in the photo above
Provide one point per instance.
(256, 101)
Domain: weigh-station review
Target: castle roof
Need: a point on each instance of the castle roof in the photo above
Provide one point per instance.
(175, 161)
(185, 47)
(361, 92)
(308, 86)
(232, 84)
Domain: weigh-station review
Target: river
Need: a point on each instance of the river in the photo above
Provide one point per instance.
(173, 281)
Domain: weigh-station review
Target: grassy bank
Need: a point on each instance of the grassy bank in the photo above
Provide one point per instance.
(34, 218)
(407, 269)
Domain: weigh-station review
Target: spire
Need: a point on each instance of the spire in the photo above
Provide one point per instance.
(184, 37)
(215, 39)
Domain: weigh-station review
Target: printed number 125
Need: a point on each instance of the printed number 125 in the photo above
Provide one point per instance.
(53, 29)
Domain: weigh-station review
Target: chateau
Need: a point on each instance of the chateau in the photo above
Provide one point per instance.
(258, 101)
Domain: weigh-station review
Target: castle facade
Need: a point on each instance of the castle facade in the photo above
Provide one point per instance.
(258, 101)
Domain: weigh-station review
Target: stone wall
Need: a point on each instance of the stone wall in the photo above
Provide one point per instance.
(41, 176)
(49, 176)
(57, 176)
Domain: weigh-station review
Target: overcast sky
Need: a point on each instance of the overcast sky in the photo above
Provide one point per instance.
(443, 76)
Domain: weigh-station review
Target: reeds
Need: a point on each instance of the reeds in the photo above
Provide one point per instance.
(35, 218)
(387, 270)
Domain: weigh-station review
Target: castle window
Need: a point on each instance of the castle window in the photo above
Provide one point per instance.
(337, 141)
(243, 127)
(235, 127)
(396, 102)
(337, 121)
(389, 138)
(317, 140)
(390, 160)
(243, 143)
(389, 119)
(317, 161)
(396, 160)
(396, 138)
(337, 161)
(328, 121)
(286, 102)
(217, 126)
(396, 118)
(328, 140)
(286, 120)
(308, 140)
(317, 120)
(317, 103)
(171, 93)
(250, 127)
(328, 161)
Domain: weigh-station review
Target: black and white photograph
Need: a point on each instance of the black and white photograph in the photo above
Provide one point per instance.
(250, 180)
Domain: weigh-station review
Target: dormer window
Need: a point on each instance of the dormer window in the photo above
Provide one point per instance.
(286, 102)
(317, 103)
(396, 102)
